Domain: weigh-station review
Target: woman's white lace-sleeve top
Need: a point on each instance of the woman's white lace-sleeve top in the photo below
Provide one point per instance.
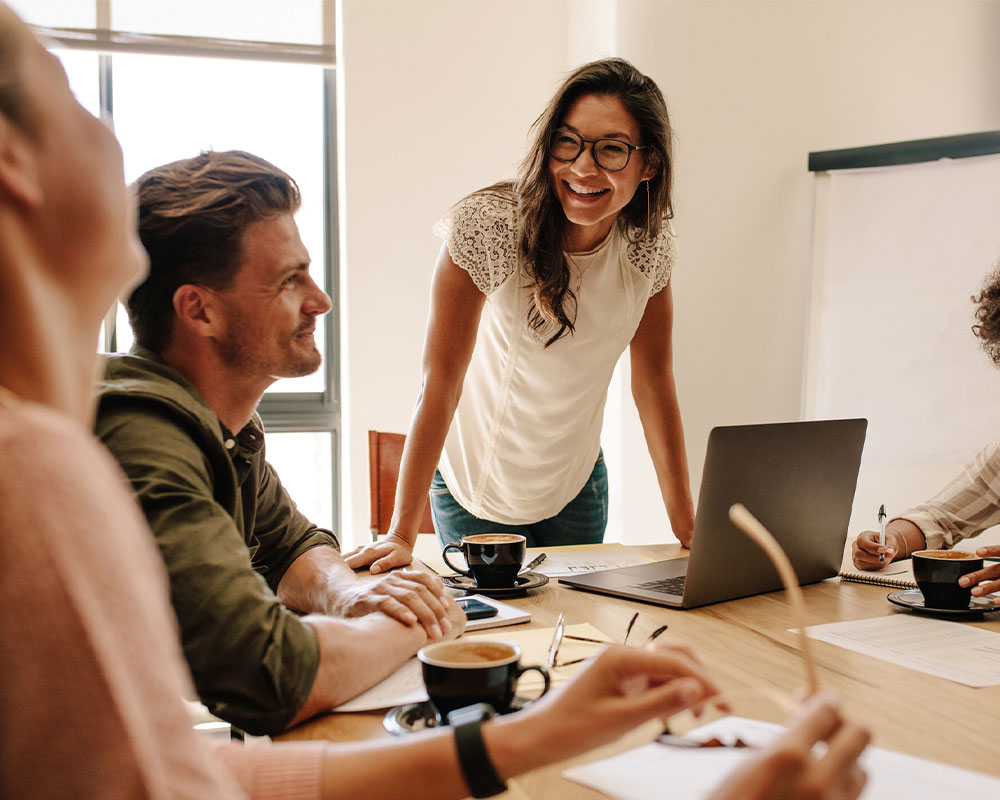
(527, 429)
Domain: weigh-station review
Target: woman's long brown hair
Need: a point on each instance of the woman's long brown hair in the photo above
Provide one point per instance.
(542, 221)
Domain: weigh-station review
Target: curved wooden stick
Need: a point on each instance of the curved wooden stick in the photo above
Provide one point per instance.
(748, 523)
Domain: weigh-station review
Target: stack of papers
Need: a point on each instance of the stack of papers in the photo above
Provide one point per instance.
(960, 653)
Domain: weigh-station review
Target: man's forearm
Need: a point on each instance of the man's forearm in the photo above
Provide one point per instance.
(315, 581)
(355, 655)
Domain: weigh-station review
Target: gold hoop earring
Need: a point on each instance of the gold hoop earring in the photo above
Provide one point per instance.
(647, 207)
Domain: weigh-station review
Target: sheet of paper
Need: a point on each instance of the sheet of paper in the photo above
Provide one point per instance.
(561, 561)
(642, 774)
(534, 643)
(406, 685)
(950, 650)
(566, 560)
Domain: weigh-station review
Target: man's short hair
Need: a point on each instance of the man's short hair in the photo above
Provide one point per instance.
(192, 215)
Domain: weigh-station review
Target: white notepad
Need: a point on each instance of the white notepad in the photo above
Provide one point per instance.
(506, 614)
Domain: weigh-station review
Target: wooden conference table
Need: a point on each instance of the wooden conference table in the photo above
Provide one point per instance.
(746, 645)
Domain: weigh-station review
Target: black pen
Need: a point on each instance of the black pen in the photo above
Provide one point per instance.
(533, 563)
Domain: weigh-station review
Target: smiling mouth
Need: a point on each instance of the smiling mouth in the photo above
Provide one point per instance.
(583, 191)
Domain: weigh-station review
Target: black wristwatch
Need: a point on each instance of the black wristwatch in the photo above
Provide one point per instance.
(480, 774)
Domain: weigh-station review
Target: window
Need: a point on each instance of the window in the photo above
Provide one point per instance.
(175, 79)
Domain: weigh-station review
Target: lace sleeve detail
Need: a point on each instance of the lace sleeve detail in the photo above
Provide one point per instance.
(654, 259)
(481, 235)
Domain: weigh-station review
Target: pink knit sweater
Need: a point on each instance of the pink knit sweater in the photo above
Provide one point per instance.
(91, 670)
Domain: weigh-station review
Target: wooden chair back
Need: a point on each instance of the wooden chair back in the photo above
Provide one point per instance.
(384, 453)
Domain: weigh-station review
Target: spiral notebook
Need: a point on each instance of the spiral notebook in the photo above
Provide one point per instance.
(897, 575)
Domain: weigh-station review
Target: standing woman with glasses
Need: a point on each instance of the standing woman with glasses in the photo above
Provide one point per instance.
(540, 286)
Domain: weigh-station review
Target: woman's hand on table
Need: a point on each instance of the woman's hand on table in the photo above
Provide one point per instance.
(381, 556)
(790, 769)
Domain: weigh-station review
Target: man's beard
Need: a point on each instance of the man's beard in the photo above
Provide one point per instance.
(238, 352)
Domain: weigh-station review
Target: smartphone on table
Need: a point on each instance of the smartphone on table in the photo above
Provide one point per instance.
(475, 609)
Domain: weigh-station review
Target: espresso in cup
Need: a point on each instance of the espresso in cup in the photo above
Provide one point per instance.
(494, 559)
(462, 673)
(937, 573)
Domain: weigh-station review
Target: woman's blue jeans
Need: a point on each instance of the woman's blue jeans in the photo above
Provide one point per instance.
(582, 521)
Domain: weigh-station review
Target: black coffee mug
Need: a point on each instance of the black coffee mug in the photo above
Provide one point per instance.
(937, 573)
(462, 673)
(494, 559)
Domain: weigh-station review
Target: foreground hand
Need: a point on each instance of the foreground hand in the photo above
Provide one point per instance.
(990, 573)
(392, 551)
(866, 549)
(619, 690)
(410, 596)
(789, 769)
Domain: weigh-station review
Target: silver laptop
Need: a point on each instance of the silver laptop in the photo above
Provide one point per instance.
(797, 478)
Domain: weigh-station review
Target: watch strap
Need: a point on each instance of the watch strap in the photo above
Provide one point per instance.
(480, 774)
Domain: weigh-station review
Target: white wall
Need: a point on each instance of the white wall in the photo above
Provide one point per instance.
(437, 99)
(753, 87)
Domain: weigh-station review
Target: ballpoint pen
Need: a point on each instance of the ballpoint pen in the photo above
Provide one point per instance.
(881, 532)
(534, 563)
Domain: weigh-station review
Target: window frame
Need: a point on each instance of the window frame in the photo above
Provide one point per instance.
(281, 412)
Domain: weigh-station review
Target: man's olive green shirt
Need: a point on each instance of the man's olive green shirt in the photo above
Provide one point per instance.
(227, 530)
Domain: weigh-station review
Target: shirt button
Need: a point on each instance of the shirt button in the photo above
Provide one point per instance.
(230, 444)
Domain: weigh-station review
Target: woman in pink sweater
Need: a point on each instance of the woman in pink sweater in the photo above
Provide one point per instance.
(91, 671)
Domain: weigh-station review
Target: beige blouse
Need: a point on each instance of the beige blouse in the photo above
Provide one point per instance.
(527, 430)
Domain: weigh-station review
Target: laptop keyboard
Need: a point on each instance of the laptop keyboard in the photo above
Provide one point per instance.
(666, 586)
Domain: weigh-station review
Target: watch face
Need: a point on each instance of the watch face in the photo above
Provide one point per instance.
(474, 713)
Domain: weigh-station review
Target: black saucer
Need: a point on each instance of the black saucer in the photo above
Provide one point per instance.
(525, 582)
(413, 717)
(913, 600)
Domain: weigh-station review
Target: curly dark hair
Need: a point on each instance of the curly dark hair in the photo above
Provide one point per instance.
(987, 326)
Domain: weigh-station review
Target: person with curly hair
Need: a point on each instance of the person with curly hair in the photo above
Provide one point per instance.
(970, 503)
(541, 285)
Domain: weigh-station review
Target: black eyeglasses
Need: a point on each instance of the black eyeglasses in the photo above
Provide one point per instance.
(610, 154)
(559, 634)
